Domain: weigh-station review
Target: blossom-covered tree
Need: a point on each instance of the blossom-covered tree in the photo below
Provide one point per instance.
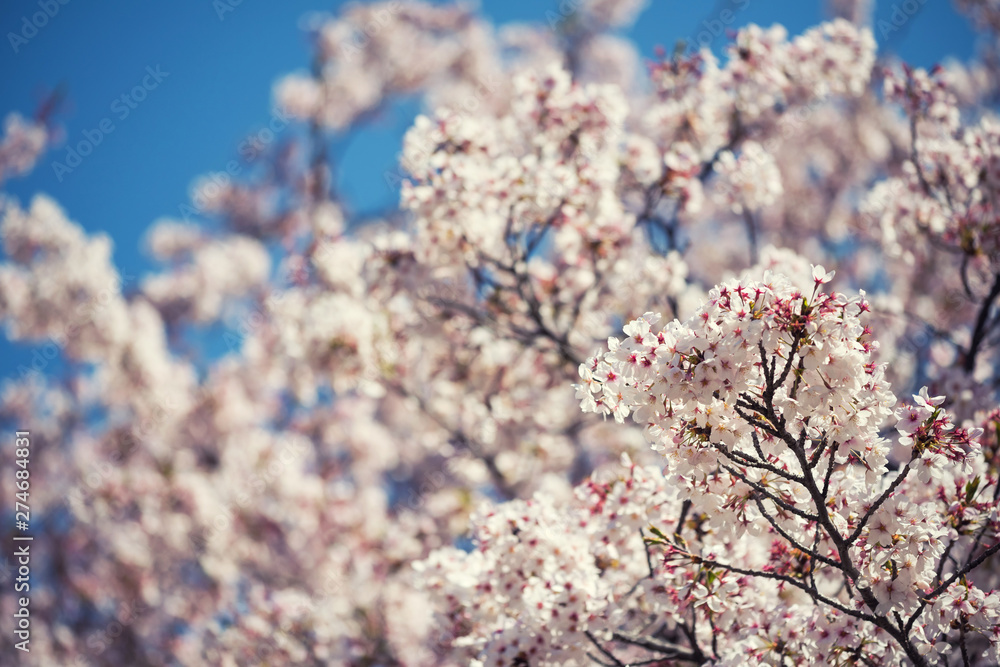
(405, 456)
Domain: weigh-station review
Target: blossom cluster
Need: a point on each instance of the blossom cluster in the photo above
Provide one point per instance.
(949, 186)
(386, 463)
(687, 383)
(367, 54)
(545, 574)
(23, 141)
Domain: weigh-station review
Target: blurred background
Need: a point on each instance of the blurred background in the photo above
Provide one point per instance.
(215, 63)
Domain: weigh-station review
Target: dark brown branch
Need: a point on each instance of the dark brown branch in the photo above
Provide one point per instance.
(813, 593)
(878, 503)
(981, 329)
(668, 651)
(608, 654)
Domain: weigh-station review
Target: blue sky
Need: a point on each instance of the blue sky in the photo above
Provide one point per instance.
(212, 89)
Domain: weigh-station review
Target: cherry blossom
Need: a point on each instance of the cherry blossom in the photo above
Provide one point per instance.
(691, 365)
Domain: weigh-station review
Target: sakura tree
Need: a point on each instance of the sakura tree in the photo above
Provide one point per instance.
(586, 395)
